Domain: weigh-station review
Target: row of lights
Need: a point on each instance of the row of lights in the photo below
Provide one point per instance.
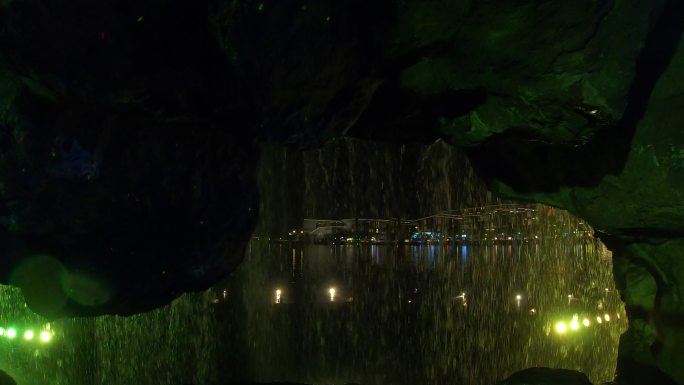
(332, 292)
(562, 327)
(29, 335)
(518, 299)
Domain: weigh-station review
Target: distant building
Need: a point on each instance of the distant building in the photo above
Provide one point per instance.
(327, 233)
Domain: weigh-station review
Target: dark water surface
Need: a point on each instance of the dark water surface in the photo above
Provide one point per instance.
(460, 313)
(467, 314)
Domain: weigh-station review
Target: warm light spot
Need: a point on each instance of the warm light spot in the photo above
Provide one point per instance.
(518, 297)
(598, 319)
(45, 336)
(278, 293)
(11, 333)
(606, 317)
(585, 322)
(574, 325)
(331, 291)
(28, 335)
(561, 328)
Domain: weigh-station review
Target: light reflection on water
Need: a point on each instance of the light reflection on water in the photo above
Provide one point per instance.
(465, 314)
(370, 314)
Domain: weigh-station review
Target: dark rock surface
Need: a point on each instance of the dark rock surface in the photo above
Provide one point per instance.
(122, 183)
(256, 383)
(546, 376)
(627, 182)
(128, 131)
(6, 379)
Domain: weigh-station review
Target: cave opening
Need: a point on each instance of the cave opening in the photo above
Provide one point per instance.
(200, 183)
(338, 289)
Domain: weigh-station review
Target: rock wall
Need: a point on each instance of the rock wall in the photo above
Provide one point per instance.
(637, 207)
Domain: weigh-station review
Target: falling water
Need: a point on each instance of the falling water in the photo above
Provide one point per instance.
(458, 312)
(352, 178)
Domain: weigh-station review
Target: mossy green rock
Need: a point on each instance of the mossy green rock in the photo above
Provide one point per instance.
(638, 209)
(543, 64)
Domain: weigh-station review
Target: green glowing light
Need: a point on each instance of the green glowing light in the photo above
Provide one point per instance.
(28, 335)
(45, 336)
(327, 18)
(561, 328)
(574, 325)
(585, 322)
(11, 333)
(260, 7)
(2, 331)
(140, 19)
